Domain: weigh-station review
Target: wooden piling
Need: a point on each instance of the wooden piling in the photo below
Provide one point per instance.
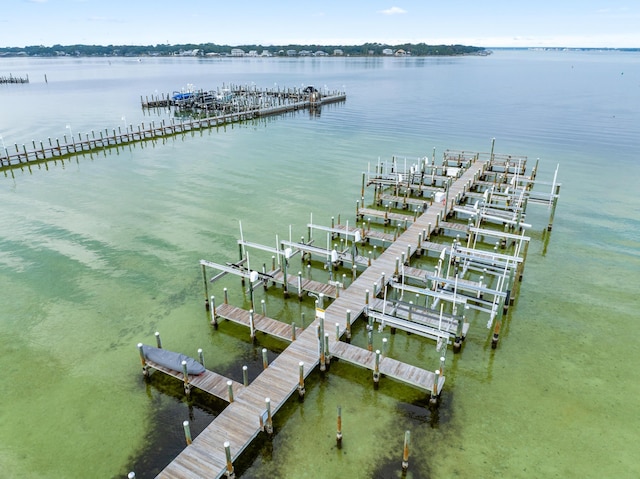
(230, 390)
(229, 472)
(339, 428)
(143, 360)
(405, 451)
(185, 374)
(212, 308)
(268, 427)
(187, 432)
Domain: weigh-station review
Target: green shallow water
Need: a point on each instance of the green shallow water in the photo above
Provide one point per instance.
(98, 253)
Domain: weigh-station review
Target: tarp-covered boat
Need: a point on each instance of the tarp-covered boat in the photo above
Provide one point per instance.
(172, 360)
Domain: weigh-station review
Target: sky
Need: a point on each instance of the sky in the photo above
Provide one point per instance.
(484, 23)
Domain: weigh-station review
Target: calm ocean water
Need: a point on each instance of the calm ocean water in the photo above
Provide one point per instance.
(99, 252)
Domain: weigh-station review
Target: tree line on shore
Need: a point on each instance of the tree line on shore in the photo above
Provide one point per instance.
(367, 49)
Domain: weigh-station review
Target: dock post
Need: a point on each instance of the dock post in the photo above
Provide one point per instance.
(553, 207)
(370, 336)
(212, 307)
(496, 333)
(226, 296)
(493, 143)
(457, 342)
(131, 475)
(396, 271)
(252, 331)
(348, 327)
(245, 376)
(201, 357)
(285, 278)
(187, 386)
(405, 451)
(265, 359)
(268, 427)
(158, 340)
(230, 390)
(433, 400)
(187, 432)
(323, 366)
(339, 431)
(301, 390)
(327, 353)
(337, 331)
(366, 303)
(384, 347)
(300, 286)
(376, 370)
(229, 473)
(293, 330)
(265, 282)
(264, 307)
(143, 360)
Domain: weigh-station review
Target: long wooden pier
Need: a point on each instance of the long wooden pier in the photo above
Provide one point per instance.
(241, 421)
(80, 143)
(251, 407)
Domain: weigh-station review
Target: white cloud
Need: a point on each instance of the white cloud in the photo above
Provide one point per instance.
(393, 11)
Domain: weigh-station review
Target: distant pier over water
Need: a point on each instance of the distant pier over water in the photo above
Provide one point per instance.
(12, 79)
(199, 110)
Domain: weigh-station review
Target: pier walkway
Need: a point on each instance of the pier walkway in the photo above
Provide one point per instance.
(107, 138)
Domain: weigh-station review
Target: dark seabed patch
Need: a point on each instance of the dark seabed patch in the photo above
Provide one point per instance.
(171, 407)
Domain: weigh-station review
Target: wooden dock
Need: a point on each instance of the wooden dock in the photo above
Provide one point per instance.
(209, 381)
(240, 422)
(255, 322)
(246, 415)
(82, 143)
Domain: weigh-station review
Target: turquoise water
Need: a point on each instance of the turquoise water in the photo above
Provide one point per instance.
(99, 252)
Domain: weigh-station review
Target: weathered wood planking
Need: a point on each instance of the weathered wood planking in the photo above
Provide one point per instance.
(209, 381)
(261, 323)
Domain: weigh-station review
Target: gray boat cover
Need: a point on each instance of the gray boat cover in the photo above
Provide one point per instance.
(172, 360)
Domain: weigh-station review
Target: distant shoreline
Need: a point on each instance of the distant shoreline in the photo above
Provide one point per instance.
(209, 49)
(286, 51)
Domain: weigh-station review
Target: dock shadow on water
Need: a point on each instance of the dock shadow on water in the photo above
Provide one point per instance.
(166, 438)
(170, 407)
(415, 416)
